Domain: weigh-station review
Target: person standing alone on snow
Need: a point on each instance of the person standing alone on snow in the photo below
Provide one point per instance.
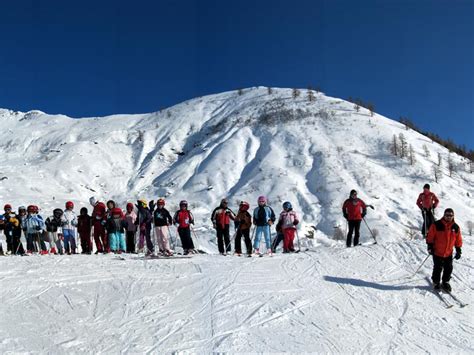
(443, 235)
(221, 217)
(263, 218)
(427, 202)
(354, 211)
(288, 221)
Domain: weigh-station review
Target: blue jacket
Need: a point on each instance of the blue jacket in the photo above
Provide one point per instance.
(261, 215)
(33, 224)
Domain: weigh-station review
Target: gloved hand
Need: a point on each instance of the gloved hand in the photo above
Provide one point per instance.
(295, 223)
(270, 222)
(363, 215)
(103, 222)
(430, 248)
(38, 228)
(214, 225)
(458, 253)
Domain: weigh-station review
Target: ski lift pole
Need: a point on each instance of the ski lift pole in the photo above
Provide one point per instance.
(373, 236)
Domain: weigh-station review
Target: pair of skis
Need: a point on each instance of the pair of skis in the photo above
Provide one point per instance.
(454, 299)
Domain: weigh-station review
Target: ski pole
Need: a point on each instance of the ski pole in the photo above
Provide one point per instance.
(424, 222)
(171, 237)
(231, 240)
(373, 236)
(298, 239)
(419, 267)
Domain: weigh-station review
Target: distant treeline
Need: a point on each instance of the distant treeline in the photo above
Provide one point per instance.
(448, 143)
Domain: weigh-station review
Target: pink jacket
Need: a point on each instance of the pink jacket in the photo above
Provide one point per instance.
(130, 218)
(288, 219)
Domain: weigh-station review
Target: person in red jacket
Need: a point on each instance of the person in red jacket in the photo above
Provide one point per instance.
(443, 235)
(353, 210)
(183, 218)
(99, 218)
(427, 202)
(221, 217)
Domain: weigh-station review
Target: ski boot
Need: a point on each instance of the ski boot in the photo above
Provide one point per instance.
(446, 286)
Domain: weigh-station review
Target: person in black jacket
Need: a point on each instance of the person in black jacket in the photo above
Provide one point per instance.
(143, 222)
(53, 224)
(162, 220)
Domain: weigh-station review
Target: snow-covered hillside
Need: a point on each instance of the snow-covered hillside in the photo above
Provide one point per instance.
(328, 299)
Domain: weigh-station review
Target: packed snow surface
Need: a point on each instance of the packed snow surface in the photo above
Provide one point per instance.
(325, 299)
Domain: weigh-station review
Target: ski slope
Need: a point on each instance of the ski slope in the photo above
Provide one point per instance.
(328, 299)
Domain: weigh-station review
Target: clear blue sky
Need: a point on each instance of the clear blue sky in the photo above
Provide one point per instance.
(93, 58)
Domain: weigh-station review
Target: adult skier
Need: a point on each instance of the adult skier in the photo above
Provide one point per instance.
(263, 218)
(354, 210)
(220, 218)
(427, 202)
(443, 235)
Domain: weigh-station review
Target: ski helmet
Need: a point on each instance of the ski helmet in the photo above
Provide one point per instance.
(21, 208)
(142, 202)
(130, 207)
(93, 201)
(117, 211)
(57, 212)
(83, 211)
(7, 207)
(69, 205)
(183, 203)
(262, 199)
(31, 209)
(287, 205)
(160, 202)
(244, 206)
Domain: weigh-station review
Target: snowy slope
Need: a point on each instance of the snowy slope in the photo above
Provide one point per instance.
(311, 153)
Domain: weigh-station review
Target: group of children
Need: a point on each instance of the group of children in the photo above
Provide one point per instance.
(112, 229)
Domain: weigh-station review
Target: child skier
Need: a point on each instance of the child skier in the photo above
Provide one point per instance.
(183, 218)
(17, 231)
(33, 224)
(69, 225)
(162, 219)
(12, 229)
(143, 222)
(116, 226)
(288, 221)
(98, 223)
(263, 218)
(130, 218)
(84, 226)
(53, 225)
(243, 222)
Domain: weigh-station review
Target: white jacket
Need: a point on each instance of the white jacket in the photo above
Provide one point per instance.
(69, 219)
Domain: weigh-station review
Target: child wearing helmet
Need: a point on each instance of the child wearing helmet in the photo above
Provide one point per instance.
(69, 228)
(288, 221)
(143, 223)
(11, 227)
(17, 231)
(221, 217)
(183, 218)
(162, 219)
(53, 225)
(130, 218)
(116, 226)
(98, 223)
(263, 218)
(33, 225)
(243, 222)
(84, 227)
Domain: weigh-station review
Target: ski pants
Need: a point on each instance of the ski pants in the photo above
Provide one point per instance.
(265, 230)
(248, 244)
(162, 236)
(9, 238)
(354, 226)
(428, 220)
(223, 237)
(34, 242)
(100, 237)
(288, 237)
(444, 265)
(145, 235)
(17, 245)
(117, 241)
(86, 243)
(185, 236)
(278, 239)
(69, 240)
(54, 241)
(130, 242)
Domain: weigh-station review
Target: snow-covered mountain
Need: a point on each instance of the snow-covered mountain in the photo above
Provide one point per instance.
(230, 145)
(312, 153)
